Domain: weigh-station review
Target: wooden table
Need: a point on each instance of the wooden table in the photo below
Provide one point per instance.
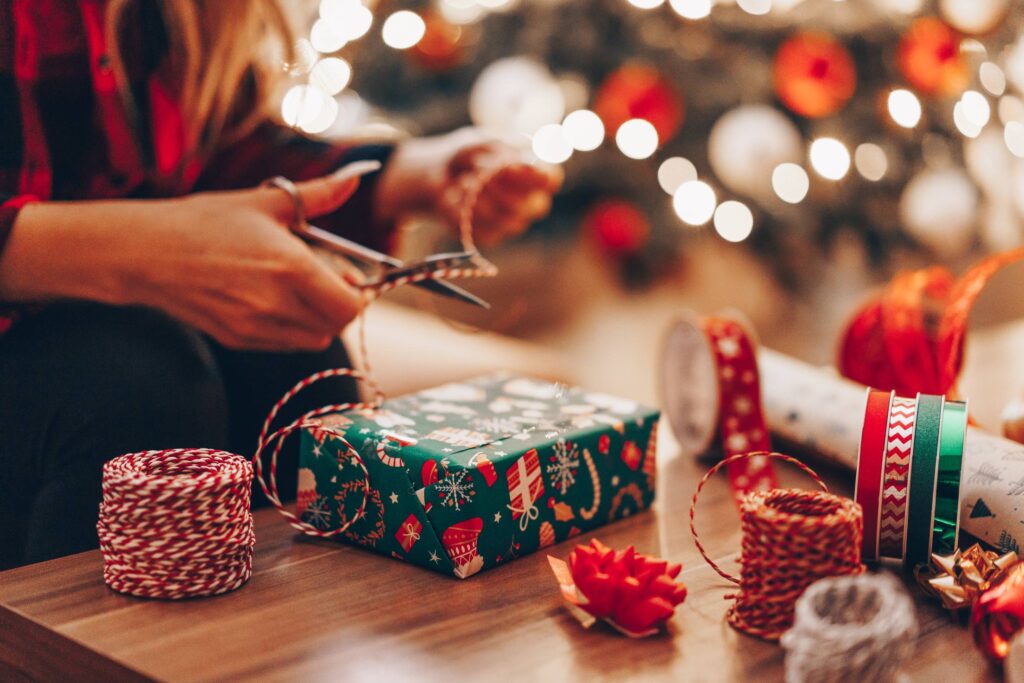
(315, 610)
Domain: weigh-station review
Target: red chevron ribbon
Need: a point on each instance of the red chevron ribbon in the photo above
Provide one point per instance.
(895, 474)
(870, 459)
(741, 422)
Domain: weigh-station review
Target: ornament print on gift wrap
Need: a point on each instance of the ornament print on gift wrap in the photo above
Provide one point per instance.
(461, 541)
(565, 463)
(525, 487)
(368, 529)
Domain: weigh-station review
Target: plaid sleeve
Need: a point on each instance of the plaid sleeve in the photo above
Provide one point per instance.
(274, 150)
(10, 205)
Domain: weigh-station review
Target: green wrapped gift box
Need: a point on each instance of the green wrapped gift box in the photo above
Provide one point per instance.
(469, 475)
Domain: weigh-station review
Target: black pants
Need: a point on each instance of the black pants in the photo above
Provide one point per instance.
(82, 383)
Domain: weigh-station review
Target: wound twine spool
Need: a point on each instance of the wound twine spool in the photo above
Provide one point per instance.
(176, 523)
(850, 628)
(790, 539)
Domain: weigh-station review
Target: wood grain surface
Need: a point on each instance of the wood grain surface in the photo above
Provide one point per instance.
(317, 610)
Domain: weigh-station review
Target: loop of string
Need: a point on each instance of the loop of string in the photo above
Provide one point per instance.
(790, 539)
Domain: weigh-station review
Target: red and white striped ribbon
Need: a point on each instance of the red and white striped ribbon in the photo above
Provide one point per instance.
(899, 447)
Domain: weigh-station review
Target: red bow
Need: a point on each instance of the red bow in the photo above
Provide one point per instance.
(634, 593)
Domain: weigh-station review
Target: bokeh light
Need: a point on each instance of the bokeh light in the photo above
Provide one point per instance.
(550, 144)
(637, 139)
(694, 202)
(1013, 135)
(904, 108)
(830, 158)
(584, 130)
(403, 29)
(331, 75)
(733, 221)
(675, 171)
(871, 161)
(790, 182)
(992, 78)
(691, 9)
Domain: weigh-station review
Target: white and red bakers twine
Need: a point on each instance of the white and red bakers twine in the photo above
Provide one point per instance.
(177, 523)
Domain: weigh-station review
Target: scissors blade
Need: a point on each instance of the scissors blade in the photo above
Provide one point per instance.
(346, 247)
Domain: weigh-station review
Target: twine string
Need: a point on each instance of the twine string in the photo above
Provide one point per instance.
(790, 539)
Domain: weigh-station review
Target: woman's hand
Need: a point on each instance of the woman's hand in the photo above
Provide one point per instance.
(223, 262)
(436, 174)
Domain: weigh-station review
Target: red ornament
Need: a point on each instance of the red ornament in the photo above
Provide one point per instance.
(618, 227)
(604, 442)
(640, 91)
(634, 593)
(998, 614)
(929, 58)
(441, 47)
(429, 473)
(814, 74)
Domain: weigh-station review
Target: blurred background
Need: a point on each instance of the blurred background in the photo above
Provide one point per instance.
(781, 157)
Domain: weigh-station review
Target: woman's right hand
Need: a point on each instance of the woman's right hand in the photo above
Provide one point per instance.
(223, 262)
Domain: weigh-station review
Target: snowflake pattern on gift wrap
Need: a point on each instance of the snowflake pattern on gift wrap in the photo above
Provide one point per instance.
(318, 513)
(496, 425)
(565, 463)
(456, 489)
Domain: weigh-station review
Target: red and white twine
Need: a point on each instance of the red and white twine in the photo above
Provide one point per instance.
(176, 523)
(790, 539)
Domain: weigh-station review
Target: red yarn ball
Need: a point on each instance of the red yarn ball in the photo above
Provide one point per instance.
(640, 91)
(814, 74)
(618, 227)
(929, 58)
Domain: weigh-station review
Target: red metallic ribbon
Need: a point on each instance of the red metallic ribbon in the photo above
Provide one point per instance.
(910, 338)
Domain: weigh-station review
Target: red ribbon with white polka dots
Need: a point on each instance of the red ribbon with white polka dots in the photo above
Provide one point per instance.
(742, 427)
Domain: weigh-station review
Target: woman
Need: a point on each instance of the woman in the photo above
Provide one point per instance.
(152, 295)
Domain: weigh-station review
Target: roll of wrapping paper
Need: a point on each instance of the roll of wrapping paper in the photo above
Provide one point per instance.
(814, 408)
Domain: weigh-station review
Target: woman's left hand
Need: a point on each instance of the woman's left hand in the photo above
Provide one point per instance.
(438, 174)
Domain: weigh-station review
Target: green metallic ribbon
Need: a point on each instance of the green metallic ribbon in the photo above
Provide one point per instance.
(921, 496)
(947, 488)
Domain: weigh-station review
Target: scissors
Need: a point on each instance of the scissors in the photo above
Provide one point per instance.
(389, 268)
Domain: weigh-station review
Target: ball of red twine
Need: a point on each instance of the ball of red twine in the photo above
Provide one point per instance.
(791, 538)
(176, 523)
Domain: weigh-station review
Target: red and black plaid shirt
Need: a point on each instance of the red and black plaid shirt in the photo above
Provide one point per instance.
(68, 132)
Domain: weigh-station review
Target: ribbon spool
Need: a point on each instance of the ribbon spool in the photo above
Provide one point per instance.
(791, 538)
(710, 389)
(176, 523)
(909, 467)
(850, 628)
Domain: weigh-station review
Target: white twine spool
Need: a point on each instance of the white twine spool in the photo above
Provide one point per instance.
(850, 628)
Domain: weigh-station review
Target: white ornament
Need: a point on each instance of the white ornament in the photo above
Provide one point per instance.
(516, 95)
(746, 145)
(974, 16)
(939, 209)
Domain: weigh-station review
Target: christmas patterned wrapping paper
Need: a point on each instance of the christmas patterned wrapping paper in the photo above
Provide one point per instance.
(470, 475)
(823, 412)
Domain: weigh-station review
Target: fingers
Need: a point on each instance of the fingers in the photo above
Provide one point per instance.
(328, 295)
(319, 196)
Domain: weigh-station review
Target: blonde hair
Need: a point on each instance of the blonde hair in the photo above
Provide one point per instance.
(226, 58)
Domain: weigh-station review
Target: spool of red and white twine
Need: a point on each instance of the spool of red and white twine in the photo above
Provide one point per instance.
(177, 523)
(791, 538)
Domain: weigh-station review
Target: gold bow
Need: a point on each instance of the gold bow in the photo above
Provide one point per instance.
(959, 579)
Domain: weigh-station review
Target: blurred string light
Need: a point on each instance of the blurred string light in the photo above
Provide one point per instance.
(331, 75)
(1013, 136)
(675, 171)
(550, 144)
(309, 108)
(326, 38)
(348, 18)
(694, 202)
(992, 78)
(870, 161)
(830, 158)
(646, 4)
(637, 139)
(733, 221)
(790, 182)
(403, 29)
(975, 107)
(904, 108)
(691, 9)
(1010, 109)
(755, 7)
(583, 129)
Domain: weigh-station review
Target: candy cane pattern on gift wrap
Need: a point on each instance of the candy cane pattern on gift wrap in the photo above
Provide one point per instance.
(899, 446)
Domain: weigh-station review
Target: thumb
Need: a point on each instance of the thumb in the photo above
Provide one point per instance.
(326, 194)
